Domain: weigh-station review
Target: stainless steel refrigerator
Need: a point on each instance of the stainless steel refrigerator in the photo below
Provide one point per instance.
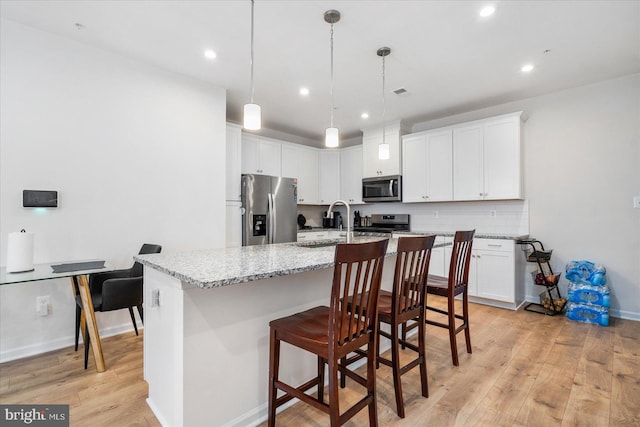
(270, 209)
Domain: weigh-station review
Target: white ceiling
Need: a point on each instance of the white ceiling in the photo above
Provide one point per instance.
(448, 58)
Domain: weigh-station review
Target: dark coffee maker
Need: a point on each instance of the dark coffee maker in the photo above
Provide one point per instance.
(334, 222)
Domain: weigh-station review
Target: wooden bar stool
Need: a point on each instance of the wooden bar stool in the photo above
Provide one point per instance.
(333, 332)
(405, 302)
(456, 284)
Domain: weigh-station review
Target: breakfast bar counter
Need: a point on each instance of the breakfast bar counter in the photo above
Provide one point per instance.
(207, 314)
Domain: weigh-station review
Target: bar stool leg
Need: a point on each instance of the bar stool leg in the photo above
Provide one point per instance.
(274, 365)
(334, 403)
(395, 363)
(452, 330)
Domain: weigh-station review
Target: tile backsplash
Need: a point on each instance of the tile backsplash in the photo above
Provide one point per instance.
(500, 217)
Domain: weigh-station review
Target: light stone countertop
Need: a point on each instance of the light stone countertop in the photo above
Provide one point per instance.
(478, 235)
(221, 267)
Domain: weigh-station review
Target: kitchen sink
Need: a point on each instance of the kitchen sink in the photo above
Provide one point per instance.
(319, 243)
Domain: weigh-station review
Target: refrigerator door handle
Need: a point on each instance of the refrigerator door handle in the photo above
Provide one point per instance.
(270, 214)
(274, 218)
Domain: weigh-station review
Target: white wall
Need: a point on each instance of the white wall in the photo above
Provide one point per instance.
(582, 168)
(135, 153)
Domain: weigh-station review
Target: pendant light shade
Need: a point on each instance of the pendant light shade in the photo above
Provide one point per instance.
(332, 135)
(252, 112)
(332, 138)
(252, 117)
(384, 151)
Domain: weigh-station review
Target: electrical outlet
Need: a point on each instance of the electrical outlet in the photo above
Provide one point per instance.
(42, 305)
(435, 214)
(492, 213)
(636, 202)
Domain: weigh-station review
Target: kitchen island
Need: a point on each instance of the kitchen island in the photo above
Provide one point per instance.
(207, 313)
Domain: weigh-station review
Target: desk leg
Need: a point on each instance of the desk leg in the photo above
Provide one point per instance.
(90, 319)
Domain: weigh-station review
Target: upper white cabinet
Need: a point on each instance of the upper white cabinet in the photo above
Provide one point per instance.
(351, 174)
(427, 166)
(372, 166)
(329, 177)
(468, 182)
(486, 159)
(502, 161)
(234, 162)
(260, 155)
(302, 163)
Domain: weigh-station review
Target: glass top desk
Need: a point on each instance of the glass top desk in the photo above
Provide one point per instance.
(77, 271)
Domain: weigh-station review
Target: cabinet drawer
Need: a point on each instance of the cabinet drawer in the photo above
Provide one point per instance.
(501, 245)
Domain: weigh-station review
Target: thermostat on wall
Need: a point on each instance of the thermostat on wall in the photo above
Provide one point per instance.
(39, 199)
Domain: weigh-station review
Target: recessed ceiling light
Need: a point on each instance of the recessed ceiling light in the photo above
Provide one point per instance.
(487, 11)
(210, 54)
(304, 91)
(364, 115)
(527, 68)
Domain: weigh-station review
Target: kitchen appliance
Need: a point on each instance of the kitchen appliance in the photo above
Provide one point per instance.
(334, 222)
(382, 189)
(386, 223)
(270, 209)
(302, 221)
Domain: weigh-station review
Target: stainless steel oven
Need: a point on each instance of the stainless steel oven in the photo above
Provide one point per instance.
(382, 189)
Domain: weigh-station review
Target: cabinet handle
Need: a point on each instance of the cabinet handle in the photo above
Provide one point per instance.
(480, 194)
(495, 244)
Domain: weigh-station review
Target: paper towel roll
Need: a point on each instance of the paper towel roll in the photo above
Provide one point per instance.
(20, 252)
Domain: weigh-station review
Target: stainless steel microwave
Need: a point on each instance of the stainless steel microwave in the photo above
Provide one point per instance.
(382, 189)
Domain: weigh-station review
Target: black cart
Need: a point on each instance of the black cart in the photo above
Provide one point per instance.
(551, 302)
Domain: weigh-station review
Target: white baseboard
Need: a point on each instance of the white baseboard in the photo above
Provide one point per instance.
(58, 343)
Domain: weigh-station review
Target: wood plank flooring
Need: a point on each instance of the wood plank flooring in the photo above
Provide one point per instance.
(526, 370)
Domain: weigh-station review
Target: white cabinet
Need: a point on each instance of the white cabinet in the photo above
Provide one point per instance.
(427, 166)
(351, 174)
(234, 162)
(486, 159)
(502, 161)
(233, 222)
(302, 163)
(492, 272)
(372, 166)
(260, 155)
(467, 163)
(439, 263)
(329, 177)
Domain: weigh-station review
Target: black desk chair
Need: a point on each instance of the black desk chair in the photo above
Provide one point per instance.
(114, 290)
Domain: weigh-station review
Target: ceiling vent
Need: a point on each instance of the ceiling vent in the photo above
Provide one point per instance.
(400, 91)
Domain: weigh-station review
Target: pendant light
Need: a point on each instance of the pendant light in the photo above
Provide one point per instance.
(252, 112)
(332, 135)
(383, 149)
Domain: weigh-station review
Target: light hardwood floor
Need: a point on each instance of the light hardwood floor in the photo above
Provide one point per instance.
(526, 370)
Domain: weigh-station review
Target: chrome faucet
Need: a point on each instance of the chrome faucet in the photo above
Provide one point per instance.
(330, 215)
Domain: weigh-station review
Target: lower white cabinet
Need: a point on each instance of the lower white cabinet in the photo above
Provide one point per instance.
(494, 265)
(439, 264)
(492, 272)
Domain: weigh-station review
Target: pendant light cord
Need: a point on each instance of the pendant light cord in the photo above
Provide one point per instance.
(252, 85)
(331, 90)
(384, 101)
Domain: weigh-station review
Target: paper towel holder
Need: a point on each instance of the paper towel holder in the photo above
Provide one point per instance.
(39, 199)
